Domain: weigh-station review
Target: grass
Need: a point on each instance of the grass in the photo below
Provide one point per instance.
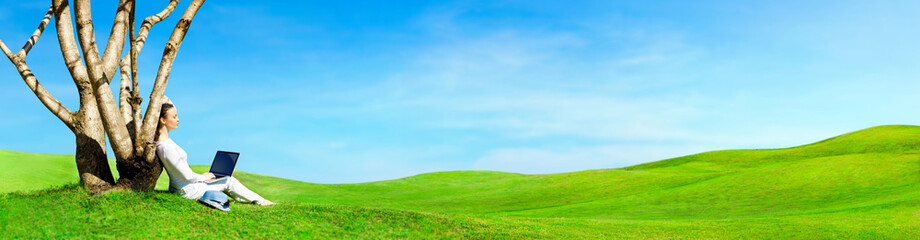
(70, 212)
(864, 184)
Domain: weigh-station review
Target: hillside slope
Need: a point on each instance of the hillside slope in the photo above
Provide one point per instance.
(874, 167)
(864, 184)
(71, 212)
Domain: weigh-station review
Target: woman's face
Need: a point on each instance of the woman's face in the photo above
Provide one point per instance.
(171, 121)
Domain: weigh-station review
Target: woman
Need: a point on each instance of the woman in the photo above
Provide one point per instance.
(182, 179)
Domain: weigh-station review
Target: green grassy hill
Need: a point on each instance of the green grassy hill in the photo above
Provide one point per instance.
(863, 184)
(875, 166)
(70, 212)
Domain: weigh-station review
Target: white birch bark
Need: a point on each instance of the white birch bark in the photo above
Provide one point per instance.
(99, 72)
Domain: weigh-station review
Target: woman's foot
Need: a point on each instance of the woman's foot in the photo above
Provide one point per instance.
(265, 203)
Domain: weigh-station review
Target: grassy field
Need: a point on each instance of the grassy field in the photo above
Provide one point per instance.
(864, 184)
(70, 212)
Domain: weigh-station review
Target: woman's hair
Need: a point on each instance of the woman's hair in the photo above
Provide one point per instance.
(163, 109)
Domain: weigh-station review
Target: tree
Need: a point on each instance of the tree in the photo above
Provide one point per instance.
(100, 115)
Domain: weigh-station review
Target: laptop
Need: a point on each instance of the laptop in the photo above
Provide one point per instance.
(223, 165)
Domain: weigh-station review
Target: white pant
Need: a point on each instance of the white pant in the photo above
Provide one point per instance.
(230, 186)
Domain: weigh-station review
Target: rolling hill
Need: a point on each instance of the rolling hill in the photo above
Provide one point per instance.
(864, 184)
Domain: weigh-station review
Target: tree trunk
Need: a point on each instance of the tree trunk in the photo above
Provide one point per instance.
(92, 162)
(138, 174)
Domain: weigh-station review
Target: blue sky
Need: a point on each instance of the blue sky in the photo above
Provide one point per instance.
(343, 92)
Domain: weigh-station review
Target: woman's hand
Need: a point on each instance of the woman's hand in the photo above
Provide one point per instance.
(208, 176)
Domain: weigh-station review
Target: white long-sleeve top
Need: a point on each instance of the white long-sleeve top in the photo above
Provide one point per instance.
(181, 176)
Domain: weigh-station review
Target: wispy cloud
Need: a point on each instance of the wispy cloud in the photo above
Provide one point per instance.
(527, 87)
(528, 83)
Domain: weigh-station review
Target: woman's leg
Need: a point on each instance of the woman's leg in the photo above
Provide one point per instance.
(235, 189)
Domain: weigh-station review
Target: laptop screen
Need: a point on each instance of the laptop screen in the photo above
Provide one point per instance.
(224, 162)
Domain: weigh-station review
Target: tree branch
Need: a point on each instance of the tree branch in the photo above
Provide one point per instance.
(116, 44)
(69, 49)
(43, 95)
(87, 37)
(124, 88)
(38, 33)
(145, 135)
(6, 50)
(99, 75)
(136, 44)
(150, 21)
